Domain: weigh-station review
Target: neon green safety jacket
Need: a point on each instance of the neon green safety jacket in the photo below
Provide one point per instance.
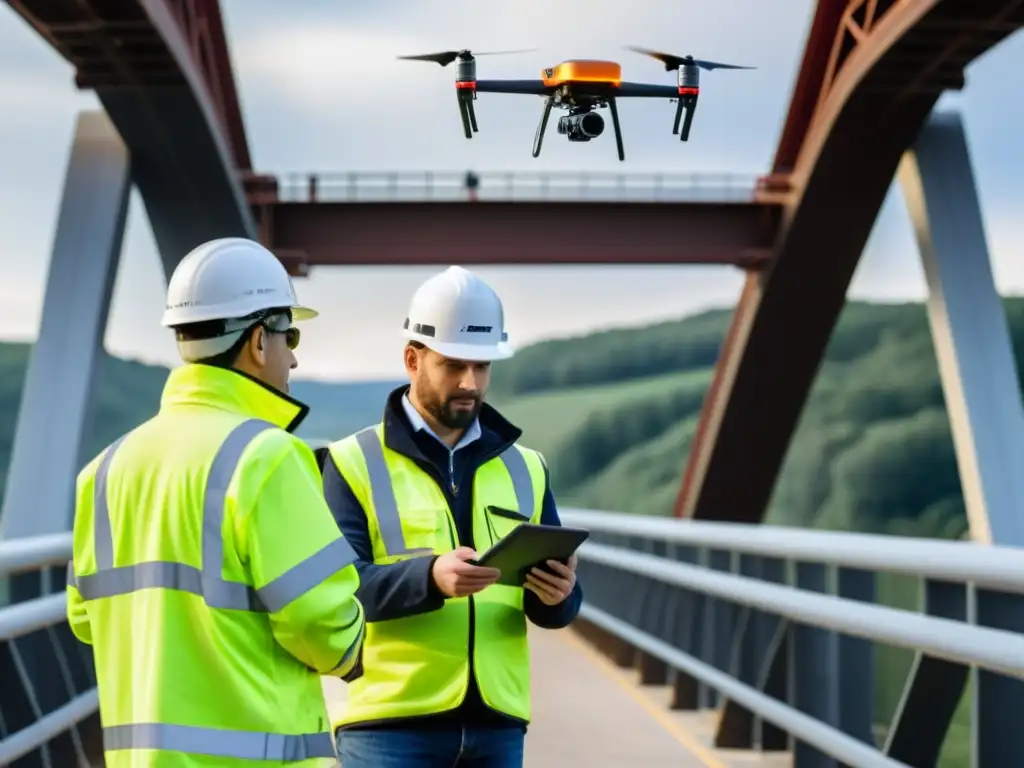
(212, 582)
(420, 665)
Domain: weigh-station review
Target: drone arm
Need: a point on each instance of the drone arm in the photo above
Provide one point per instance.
(647, 90)
(526, 87)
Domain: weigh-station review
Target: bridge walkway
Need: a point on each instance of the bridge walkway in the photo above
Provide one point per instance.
(588, 712)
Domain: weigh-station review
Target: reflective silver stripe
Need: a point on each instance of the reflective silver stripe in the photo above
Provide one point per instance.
(244, 745)
(388, 520)
(104, 539)
(109, 581)
(214, 498)
(522, 483)
(297, 581)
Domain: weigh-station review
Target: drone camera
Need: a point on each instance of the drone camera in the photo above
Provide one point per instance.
(581, 127)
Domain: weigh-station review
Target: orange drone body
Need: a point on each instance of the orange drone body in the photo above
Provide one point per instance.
(582, 71)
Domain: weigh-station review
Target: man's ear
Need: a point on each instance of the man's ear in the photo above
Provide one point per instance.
(412, 358)
(257, 344)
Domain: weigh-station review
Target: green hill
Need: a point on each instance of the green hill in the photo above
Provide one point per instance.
(615, 413)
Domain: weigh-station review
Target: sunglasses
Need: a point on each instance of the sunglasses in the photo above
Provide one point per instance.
(291, 334)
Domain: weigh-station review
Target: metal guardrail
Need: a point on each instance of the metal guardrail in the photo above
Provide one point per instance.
(718, 610)
(386, 186)
(19, 556)
(668, 590)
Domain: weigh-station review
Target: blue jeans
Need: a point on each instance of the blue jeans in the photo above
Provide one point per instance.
(444, 747)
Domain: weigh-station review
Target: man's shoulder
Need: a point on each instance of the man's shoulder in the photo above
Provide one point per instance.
(266, 445)
(527, 451)
(351, 442)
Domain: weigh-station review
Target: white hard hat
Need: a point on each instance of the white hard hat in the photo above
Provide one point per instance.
(458, 315)
(227, 279)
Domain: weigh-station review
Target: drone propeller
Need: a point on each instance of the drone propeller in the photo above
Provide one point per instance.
(444, 58)
(671, 61)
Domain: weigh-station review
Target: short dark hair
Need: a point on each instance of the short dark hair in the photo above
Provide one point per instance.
(208, 330)
(213, 328)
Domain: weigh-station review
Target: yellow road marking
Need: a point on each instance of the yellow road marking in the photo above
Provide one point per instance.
(657, 712)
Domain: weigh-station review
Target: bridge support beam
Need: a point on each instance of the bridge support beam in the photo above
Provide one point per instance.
(45, 669)
(66, 359)
(982, 393)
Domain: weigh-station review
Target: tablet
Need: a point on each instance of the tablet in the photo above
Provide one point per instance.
(528, 545)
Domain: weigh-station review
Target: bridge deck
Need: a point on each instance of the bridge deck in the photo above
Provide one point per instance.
(588, 712)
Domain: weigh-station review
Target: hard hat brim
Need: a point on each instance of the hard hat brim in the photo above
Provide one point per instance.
(476, 353)
(175, 317)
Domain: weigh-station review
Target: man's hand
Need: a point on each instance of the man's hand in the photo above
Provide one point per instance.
(553, 588)
(457, 578)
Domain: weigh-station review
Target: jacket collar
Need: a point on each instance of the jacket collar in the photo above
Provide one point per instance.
(197, 384)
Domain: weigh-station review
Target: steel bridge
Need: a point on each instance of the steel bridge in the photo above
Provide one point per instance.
(707, 639)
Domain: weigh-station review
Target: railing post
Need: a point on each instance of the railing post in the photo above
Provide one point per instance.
(718, 622)
(689, 610)
(856, 662)
(814, 665)
(933, 688)
(736, 725)
(653, 600)
(773, 677)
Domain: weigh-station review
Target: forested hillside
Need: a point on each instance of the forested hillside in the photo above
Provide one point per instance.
(615, 413)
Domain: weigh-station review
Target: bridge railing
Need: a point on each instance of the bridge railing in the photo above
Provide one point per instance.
(28, 629)
(400, 186)
(775, 628)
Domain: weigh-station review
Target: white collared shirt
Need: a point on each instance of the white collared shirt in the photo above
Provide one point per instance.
(418, 423)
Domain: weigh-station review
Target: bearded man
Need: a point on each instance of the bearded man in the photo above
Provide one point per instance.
(446, 679)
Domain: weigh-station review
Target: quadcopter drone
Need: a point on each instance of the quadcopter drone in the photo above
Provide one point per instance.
(579, 86)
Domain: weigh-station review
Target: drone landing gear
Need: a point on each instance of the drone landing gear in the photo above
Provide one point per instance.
(613, 107)
(688, 103)
(466, 96)
(538, 137)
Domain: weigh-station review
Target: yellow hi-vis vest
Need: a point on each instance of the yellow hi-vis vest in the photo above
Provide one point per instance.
(212, 583)
(420, 665)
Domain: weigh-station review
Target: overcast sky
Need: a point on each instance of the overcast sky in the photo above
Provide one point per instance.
(321, 91)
